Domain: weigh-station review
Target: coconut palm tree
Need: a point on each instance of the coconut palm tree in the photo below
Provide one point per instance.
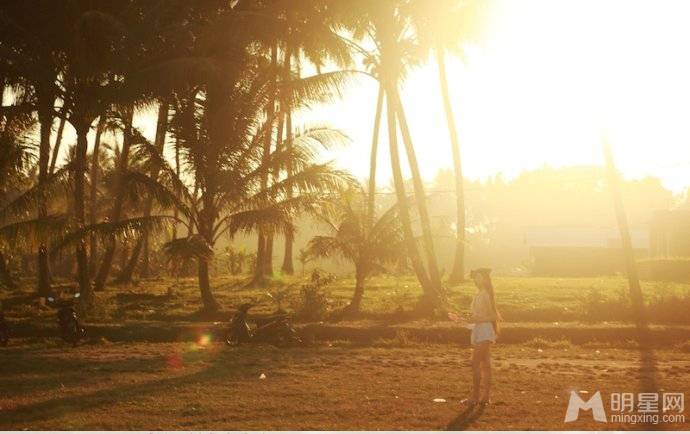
(31, 48)
(441, 28)
(387, 24)
(626, 242)
(21, 195)
(369, 247)
(304, 32)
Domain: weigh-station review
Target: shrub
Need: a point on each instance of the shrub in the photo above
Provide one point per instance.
(597, 307)
(315, 302)
(543, 343)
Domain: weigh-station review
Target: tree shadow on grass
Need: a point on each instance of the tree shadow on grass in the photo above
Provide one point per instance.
(219, 367)
(463, 420)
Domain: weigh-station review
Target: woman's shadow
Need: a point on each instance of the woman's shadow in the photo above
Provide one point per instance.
(464, 419)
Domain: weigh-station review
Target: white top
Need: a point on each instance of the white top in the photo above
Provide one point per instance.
(482, 311)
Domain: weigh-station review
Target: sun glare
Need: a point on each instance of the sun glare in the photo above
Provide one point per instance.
(540, 89)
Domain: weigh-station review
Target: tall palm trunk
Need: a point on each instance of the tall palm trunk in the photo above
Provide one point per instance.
(356, 301)
(130, 264)
(82, 129)
(288, 265)
(206, 219)
(264, 250)
(176, 213)
(159, 143)
(46, 119)
(93, 247)
(410, 242)
(648, 365)
(626, 243)
(207, 298)
(457, 273)
(372, 159)
(58, 142)
(116, 211)
(5, 275)
(420, 199)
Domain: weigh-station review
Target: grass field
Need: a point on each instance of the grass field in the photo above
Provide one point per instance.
(389, 381)
(585, 300)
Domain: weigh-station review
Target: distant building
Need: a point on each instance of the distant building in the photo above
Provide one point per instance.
(580, 251)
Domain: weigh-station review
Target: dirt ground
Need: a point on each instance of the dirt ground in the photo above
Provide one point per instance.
(46, 385)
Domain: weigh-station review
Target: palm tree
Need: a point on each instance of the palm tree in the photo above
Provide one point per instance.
(31, 48)
(93, 191)
(388, 26)
(368, 247)
(223, 132)
(20, 196)
(626, 243)
(304, 31)
(127, 115)
(15, 158)
(441, 28)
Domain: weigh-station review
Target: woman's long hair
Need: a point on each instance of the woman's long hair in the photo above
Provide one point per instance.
(490, 289)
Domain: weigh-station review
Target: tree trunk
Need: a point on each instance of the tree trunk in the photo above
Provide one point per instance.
(648, 363)
(120, 191)
(259, 263)
(372, 159)
(5, 275)
(356, 302)
(420, 200)
(79, 212)
(264, 259)
(159, 143)
(288, 265)
(207, 298)
(457, 273)
(268, 255)
(46, 120)
(127, 271)
(58, 142)
(176, 212)
(93, 249)
(410, 242)
(626, 243)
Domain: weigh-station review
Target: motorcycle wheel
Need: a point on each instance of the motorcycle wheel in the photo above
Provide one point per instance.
(231, 340)
(72, 333)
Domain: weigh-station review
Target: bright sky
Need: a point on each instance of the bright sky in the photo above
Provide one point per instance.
(552, 77)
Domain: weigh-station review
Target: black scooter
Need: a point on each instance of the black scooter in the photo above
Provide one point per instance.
(68, 319)
(4, 331)
(277, 330)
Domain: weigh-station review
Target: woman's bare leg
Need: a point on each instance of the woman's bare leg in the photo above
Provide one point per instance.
(486, 371)
(477, 357)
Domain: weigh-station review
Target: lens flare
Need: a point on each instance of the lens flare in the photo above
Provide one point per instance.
(204, 340)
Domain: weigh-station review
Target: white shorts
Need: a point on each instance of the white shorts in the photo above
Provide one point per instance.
(483, 332)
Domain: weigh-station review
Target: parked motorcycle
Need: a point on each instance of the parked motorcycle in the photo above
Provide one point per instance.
(4, 331)
(68, 319)
(276, 330)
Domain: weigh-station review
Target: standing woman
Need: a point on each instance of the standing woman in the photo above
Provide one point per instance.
(484, 318)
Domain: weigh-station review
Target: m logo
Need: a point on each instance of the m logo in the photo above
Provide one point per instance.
(576, 404)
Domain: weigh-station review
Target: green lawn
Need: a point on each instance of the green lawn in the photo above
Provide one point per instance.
(520, 300)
